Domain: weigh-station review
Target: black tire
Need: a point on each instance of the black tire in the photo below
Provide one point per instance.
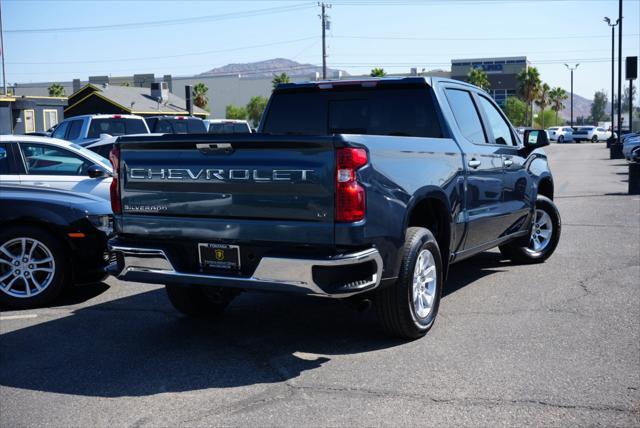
(52, 283)
(520, 251)
(200, 301)
(394, 304)
(561, 139)
(594, 139)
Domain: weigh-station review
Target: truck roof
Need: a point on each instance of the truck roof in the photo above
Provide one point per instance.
(371, 82)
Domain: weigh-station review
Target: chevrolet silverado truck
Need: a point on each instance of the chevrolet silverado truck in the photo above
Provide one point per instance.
(360, 190)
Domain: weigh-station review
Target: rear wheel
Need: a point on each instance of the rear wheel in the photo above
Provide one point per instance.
(543, 239)
(409, 307)
(594, 139)
(200, 302)
(33, 267)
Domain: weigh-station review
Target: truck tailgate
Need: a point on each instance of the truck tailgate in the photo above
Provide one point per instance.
(258, 182)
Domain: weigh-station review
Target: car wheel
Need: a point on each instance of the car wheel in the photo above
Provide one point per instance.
(408, 308)
(200, 302)
(594, 139)
(561, 139)
(543, 239)
(33, 267)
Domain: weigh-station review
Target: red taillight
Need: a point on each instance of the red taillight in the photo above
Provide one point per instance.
(114, 157)
(117, 116)
(350, 195)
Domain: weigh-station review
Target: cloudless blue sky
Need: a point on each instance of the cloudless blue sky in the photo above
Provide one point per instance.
(367, 33)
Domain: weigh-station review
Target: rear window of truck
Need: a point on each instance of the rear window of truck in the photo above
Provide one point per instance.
(408, 112)
(116, 127)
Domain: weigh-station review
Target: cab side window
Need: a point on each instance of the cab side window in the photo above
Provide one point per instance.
(48, 160)
(60, 130)
(466, 115)
(499, 126)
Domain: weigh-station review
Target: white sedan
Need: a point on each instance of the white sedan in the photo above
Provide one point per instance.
(590, 133)
(561, 134)
(50, 162)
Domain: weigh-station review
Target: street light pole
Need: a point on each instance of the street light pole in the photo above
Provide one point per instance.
(613, 53)
(4, 77)
(619, 70)
(571, 69)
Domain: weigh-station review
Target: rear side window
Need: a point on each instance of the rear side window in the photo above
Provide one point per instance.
(466, 115)
(4, 159)
(372, 111)
(60, 130)
(499, 126)
(115, 127)
(75, 126)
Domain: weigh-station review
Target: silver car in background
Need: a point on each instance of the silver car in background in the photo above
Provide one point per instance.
(561, 134)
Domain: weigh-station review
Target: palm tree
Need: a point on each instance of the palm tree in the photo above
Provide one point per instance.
(542, 100)
(56, 90)
(478, 77)
(556, 96)
(378, 72)
(200, 95)
(528, 86)
(280, 78)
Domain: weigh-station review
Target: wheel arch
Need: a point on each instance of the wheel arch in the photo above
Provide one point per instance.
(545, 186)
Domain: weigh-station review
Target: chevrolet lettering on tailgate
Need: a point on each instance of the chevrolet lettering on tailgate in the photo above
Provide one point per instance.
(216, 174)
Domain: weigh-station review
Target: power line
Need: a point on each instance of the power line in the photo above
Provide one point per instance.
(162, 23)
(96, 61)
(477, 38)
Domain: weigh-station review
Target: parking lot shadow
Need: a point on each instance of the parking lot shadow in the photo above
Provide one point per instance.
(138, 345)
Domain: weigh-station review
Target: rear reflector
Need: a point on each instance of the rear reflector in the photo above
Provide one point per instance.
(350, 195)
(114, 157)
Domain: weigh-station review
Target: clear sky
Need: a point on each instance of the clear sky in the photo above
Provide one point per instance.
(62, 40)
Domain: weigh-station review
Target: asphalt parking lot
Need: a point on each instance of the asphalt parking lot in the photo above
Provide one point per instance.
(552, 344)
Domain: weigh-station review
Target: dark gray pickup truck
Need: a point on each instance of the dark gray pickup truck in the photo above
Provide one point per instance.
(363, 190)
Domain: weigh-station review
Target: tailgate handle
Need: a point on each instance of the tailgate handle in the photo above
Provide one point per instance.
(211, 148)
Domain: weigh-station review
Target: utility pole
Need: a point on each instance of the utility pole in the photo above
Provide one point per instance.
(4, 76)
(613, 73)
(571, 69)
(326, 24)
(619, 70)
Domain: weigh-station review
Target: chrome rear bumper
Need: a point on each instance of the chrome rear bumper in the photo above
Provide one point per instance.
(300, 275)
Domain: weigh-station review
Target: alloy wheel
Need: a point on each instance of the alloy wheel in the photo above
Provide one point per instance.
(27, 267)
(541, 232)
(424, 284)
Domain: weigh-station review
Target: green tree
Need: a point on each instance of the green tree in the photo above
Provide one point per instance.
(542, 100)
(478, 77)
(598, 107)
(235, 112)
(515, 109)
(199, 93)
(626, 97)
(255, 108)
(545, 119)
(528, 87)
(125, 84)
(378, 72)
(56, 90)
(280, 78)
(556, 97)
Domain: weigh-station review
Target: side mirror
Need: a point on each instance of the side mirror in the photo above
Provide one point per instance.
(94, 171)
(535, 138)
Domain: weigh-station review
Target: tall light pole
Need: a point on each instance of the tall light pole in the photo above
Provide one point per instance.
(613, 54)
(571, 69)
(4, 77)
(620, 70)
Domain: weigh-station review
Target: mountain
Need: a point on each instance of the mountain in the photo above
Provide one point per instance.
(270, 67)
(581, 107)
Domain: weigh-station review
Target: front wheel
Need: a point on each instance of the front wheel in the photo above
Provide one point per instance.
(33, 267)
(200, 302)
(594, 139)
(543, 239)
(561, 139)
(408, 308)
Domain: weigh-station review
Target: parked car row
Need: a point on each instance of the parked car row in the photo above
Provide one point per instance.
(631, 146)
(567, 134)
(84, 130)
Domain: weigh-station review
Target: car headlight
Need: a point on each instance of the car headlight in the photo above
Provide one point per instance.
(103, 223)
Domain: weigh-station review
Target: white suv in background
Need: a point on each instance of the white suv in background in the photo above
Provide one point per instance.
(91, 127)
(590, 133)
(561, 134)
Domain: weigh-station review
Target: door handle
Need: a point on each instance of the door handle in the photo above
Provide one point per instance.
(508, 162)
(474, 163)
